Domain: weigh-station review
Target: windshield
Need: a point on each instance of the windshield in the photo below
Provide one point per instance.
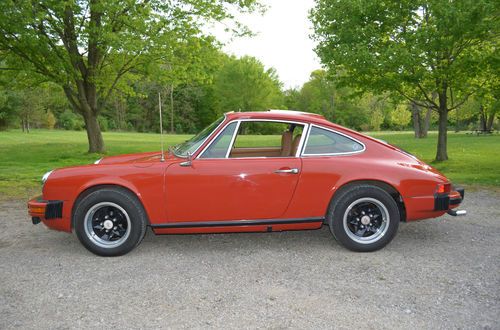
(191, 145)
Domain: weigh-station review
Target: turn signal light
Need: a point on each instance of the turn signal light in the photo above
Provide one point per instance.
(443, 188)
(37, 209)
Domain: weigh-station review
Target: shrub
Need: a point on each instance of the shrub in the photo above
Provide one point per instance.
(49, 120)
(103, 123)
(70, 121)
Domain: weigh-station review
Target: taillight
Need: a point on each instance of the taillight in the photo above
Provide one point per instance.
(443, 188)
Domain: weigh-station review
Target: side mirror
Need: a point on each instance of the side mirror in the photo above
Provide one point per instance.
(189, 160)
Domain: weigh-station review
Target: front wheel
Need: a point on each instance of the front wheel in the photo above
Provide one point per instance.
(110, 221)
(363, 218)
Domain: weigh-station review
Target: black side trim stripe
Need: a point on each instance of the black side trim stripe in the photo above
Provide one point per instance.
(237, 223)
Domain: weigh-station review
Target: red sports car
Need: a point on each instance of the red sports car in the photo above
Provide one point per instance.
(303, 173)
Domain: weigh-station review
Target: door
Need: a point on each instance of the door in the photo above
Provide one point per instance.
(239, 175)
(231, 189)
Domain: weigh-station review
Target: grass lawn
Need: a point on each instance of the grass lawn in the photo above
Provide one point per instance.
(24, 158)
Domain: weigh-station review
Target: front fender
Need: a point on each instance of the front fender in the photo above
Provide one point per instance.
(68, 184)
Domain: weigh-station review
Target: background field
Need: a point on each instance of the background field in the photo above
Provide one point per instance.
(24, 158)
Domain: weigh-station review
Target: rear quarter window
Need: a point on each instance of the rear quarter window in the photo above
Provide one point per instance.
(322, 141)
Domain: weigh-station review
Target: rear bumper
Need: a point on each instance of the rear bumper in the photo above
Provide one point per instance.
(40, 209)
(432, 206)
(447, 201)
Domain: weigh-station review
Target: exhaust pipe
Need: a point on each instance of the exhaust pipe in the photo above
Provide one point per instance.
(457, 213)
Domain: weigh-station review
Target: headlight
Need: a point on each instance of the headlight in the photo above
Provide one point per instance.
(98, 161)
(46, 176)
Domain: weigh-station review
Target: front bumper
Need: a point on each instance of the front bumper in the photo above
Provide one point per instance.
(447, 201)
(40, 209)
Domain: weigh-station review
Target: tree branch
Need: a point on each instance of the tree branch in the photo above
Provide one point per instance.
(70, 42)
(120, 73)
(427, 98)
(412, 99)
(71, 98)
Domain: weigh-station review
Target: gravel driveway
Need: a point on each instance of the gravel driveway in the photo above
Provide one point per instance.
(441, 273)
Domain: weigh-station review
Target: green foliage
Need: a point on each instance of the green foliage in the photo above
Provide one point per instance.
(245, 85)
(319, 95)
(342, 105)
(404, 45)
(103, 123)
(400, 117)
(9, 104)
(68, 120)
(92, 48)
(433, 53)
(379, 110)
(50, 120)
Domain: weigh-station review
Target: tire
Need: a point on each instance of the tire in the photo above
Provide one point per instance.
(110, 221)
(363, 218)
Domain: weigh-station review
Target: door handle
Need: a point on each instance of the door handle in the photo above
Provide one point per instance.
(292, 171)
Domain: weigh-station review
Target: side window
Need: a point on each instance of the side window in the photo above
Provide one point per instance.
(260, 134)
(266, 139)
(322, 141)
(218, 148)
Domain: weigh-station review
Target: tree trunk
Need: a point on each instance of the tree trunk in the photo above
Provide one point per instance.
(482, 118)
(427, 121)
(420, 123)
(86, 105)
(94, 136)
(442, 145)
(489, 122)
(415, 113)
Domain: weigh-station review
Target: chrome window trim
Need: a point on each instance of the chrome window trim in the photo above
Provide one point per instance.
(207, 138)
(305, 135)
(233, 140)
(334, 153)
(230, 146)
(217, 136)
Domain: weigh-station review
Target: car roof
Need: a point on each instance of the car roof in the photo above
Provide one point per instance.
(280, 115)
(300, 116)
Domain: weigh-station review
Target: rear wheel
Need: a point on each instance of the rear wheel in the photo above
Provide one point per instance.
(363, 218)
(110, 221)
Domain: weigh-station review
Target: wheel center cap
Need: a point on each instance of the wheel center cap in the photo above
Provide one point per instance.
(365, 220)
(108, 224)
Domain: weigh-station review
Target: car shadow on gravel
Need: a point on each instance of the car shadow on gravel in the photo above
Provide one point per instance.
(232, 241)
(412, 234)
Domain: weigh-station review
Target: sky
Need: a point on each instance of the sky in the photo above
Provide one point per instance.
(282, 40)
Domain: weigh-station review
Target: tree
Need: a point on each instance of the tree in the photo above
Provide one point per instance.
(291, 98)
(488, 94)
(414, 48)
(421, 120)
(319, 95)
(88, 46)
(193, 64)
(29, 101)
(400, 117)
(322, 95)
(380, 108)
(9, 104)
(245, 85)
